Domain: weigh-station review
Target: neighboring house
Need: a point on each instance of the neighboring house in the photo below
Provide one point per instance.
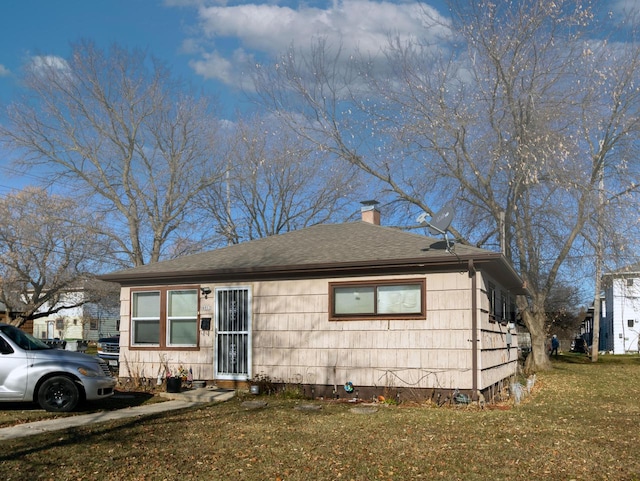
(620, 321)
(89, 321)
(326, 306)
(584, 336)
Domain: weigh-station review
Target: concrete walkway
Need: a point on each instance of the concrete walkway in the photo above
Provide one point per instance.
(176, 401)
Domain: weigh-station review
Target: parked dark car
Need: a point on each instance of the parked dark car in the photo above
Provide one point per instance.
(579, 345)
(31, 371)
(109, 350)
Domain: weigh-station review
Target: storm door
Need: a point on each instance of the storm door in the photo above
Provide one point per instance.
(233, 329)
(50, 330)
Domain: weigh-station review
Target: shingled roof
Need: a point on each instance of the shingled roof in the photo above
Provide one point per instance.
(632, 270)
(357, 248)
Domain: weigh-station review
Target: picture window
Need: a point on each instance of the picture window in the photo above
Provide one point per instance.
(402, 299)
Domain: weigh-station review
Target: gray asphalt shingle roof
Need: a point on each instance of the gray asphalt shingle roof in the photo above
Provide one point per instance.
(323, 246)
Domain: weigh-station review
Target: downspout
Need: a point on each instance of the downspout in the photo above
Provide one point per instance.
(474, 330)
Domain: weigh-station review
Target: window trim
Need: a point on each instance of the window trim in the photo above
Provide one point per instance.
(171, 319)
(502, 314)
(375, 284)
(491, 295)
(163, 344)
(145, 318)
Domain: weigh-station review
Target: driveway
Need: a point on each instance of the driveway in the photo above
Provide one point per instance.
(176, 401)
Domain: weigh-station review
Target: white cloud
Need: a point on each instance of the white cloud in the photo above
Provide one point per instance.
(4, 71)
(213, 65)
(268, 29)
(50, 66)
(40, 62)
(190, 46)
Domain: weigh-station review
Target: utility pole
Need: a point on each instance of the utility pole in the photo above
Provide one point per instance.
(598, 284)
(503, 233)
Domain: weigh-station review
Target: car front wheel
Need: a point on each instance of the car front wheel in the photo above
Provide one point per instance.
(58, 394)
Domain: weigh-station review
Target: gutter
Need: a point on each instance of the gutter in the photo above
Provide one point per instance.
(444, 263)
(152, 275)
(474, 330)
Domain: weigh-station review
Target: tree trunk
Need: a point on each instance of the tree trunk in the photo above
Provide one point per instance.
(538, 359)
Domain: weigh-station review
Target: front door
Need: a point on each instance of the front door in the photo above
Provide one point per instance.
(233, 329)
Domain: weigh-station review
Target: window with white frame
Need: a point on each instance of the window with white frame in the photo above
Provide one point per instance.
(145, 318)
(182, 317)
(165, 317)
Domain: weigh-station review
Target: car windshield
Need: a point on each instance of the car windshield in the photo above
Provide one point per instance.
(22, 339)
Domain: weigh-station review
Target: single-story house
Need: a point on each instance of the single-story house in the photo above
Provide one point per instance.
(327, 307)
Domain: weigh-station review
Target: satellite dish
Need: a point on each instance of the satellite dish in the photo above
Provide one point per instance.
(440, 222)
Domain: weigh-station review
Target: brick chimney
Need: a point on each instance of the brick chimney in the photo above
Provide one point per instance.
(370, 212)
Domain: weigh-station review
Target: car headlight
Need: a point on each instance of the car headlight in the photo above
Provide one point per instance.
(88, 372)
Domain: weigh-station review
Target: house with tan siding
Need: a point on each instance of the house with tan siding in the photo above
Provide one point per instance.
(327, 307)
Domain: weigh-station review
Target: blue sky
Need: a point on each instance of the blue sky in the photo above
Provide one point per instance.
(45, 27)
(209, 42)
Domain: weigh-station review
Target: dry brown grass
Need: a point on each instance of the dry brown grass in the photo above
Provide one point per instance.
(581, 423)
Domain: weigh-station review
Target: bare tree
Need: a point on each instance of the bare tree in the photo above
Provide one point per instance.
(518, 116)
(116, 127)
(49, 246)
(276, 182)
(563, 315)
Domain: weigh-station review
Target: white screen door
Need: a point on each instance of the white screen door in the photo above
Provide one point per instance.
(233, 328)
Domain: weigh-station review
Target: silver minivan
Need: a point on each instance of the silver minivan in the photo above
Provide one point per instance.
(57, 380)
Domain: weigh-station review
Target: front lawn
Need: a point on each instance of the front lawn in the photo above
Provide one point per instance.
(580, 423)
